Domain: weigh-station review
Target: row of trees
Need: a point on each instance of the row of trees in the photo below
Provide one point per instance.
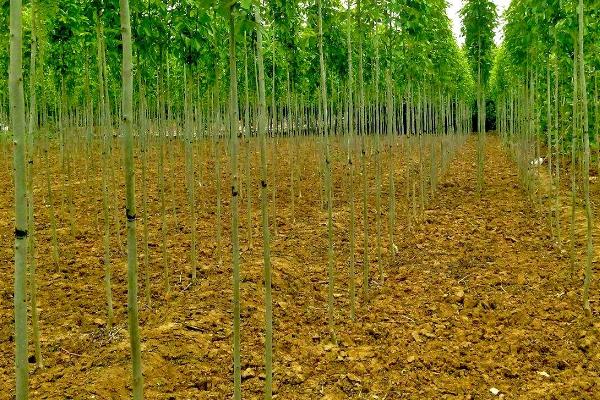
(480, 18)
(169, 36)
(545, 83)
(285, 70)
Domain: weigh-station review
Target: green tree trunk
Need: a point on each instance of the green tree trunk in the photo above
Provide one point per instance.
(162, 127)
(350, 162)
(391, 166)
(17, 118)
(586, 166)
(33, 120)
(262, 125)
(247, 134)
(190, 171)
(557, 159)
(103, 125)
(327, 175)
(233, 139)
(144, 145)
(574, 142)
(378, 159)
(363, 153)
(127, 121)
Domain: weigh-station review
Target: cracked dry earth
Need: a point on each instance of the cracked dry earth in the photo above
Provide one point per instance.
(477, 304)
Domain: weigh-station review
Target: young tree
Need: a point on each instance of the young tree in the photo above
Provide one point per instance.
(103, 124)
(17, 119)
(127, 122)
(324, 130)
(584, 119)
(262, 127)
(479, 21)
(235, 190)
(33, 116)
(350, 161)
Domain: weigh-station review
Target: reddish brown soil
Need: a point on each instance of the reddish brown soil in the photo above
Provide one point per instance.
(476, 298)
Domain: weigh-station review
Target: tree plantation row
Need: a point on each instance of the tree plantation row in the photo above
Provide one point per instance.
(545, 82)
(176, 136)
(209, 115)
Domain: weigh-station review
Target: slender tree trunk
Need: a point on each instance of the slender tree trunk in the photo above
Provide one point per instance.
(171, 146)
(33, 117)
(549, 144)
(378, 159)
(479, 132)
(264, 194)
(573, 171)
(292, 148)
(17, 118)
(586, 167)
(144, 150)
(557, 202)
(275, 139)
(597, 120)
(351, 168)
(391, 166)
(190, 172)
(103, 125)
(217, 154)
(127, 117)
(162, 126)
(51, 207)
(327, 167)
(363, 155)
(233, 137)
(247, 133)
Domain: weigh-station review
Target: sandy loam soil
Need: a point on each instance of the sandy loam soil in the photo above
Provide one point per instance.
(477, 299)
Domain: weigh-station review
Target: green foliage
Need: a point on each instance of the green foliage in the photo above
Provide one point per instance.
(536, 36)
(479, 21)
(421, 47)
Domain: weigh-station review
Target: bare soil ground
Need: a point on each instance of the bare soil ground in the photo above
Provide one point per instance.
(476, 298)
